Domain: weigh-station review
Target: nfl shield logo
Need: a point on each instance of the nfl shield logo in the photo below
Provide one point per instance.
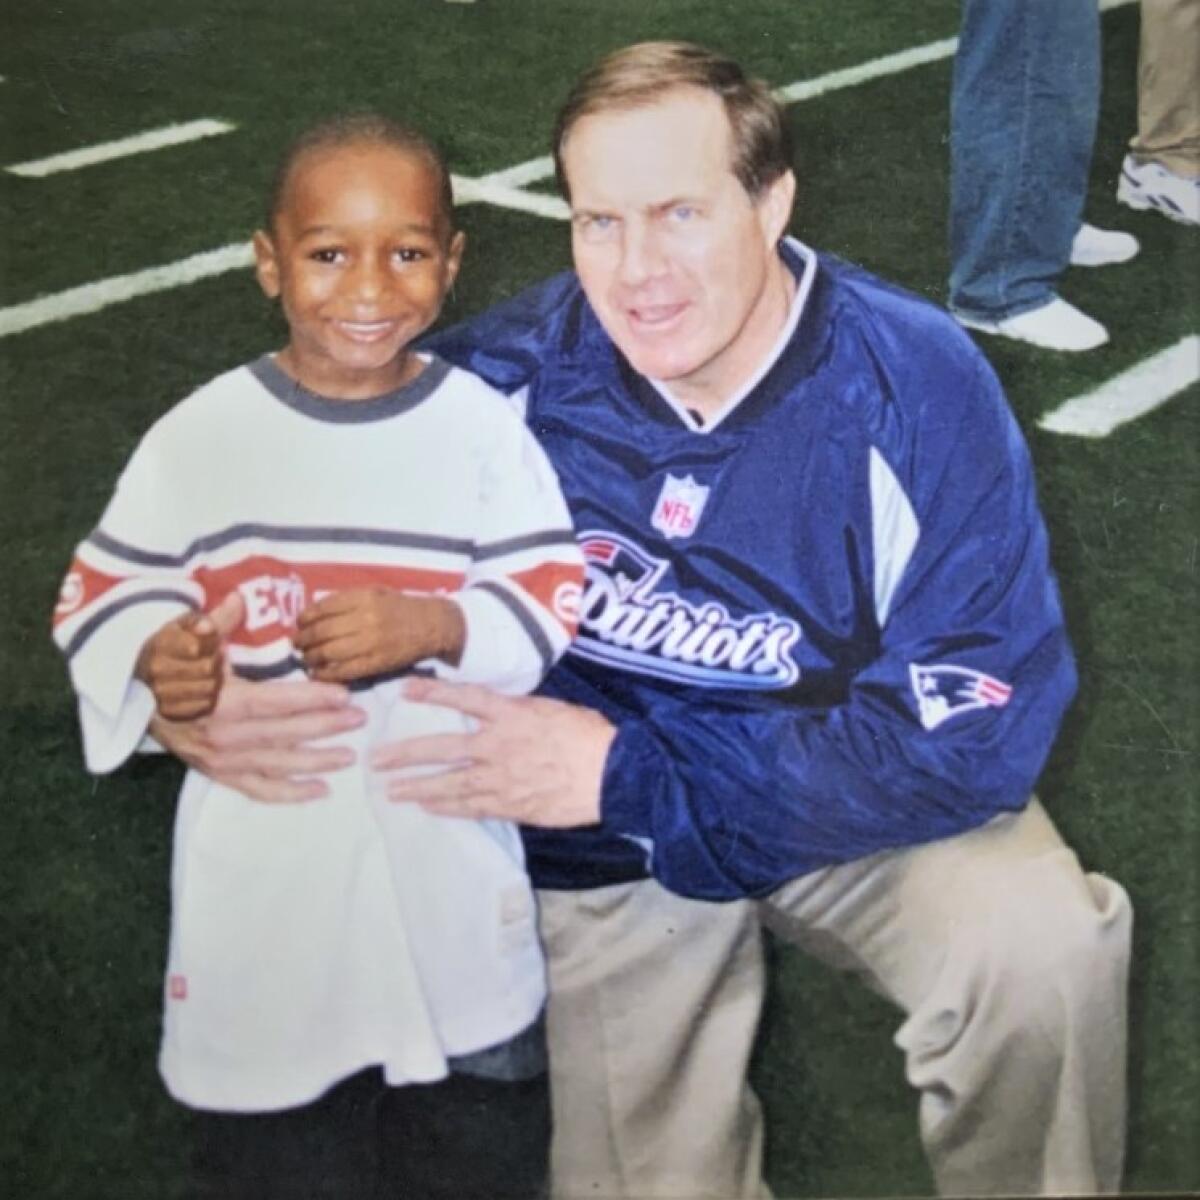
(678, 508)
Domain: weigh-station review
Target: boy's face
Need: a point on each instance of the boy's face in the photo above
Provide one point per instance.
(361, 256)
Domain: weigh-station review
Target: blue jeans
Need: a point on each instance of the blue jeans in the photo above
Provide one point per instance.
(1023, 112)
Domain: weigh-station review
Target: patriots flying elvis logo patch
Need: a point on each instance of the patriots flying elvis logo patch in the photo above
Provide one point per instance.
(943, 691)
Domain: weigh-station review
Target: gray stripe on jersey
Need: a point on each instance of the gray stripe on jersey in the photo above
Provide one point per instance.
(526, 541)
(279, 533)
(541, 643)
(255, 672)
(348, 412)
(85, 631)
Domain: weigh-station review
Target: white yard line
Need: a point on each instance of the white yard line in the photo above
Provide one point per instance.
(92, 297)
(891, 64)
(138, 143)
(502, 188)
(488, 191)
(1132, 394)
(533, 171)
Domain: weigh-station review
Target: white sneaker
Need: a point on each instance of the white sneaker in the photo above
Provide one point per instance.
(1151, 185)
(1094, 247)
(1054, 326)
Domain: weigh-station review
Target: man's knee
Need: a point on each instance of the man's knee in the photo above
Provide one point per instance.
(1053, 953)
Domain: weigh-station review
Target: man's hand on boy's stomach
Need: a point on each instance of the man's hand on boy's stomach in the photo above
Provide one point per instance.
(258, 738)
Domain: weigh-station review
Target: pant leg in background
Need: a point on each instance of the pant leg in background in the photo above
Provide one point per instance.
(1011, 966)
(1024, 106)
(1169, 87)
(321, 1151)
(466, 1138)
(654, 1003)
(462, 1138)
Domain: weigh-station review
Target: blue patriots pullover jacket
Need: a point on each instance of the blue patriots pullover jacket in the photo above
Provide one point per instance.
(826, 625)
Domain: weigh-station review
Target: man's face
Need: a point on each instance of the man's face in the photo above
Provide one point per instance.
(676, 259)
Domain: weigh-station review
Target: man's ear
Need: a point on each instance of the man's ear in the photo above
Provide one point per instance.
(775, 206)
(266, 264)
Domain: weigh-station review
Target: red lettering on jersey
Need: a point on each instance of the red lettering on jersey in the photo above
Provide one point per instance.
(557, 587)
(82, 586)
(677, 515)
(276, 593)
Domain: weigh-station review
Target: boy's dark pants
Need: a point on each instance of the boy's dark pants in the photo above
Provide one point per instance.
(464, 1138)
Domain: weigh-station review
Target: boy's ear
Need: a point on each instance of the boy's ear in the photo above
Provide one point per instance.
(454, 255)
(266, 264)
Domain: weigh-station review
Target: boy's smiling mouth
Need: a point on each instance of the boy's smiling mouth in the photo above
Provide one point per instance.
(365, 331)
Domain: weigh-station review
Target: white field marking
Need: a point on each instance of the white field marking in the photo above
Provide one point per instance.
(138, 143)
(92, 297)
(502, 188)
(1130, 395)
(890, 64)
(533, 171)
(487, 191)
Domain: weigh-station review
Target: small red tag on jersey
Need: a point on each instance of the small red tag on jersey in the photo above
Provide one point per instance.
(177, 987)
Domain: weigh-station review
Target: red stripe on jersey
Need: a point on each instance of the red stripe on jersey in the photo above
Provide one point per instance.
(992, 691)
(82, 586)
(276, 592)
(557, 587)
(599, 550)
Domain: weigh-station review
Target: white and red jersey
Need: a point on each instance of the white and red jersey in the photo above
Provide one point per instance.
(311, 940)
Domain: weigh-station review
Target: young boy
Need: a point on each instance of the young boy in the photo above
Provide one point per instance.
(323, 953)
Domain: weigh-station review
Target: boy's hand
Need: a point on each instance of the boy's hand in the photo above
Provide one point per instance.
(371, 631)
(183, 664)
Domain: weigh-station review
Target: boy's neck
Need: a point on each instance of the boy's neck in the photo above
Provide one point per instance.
(347, 385)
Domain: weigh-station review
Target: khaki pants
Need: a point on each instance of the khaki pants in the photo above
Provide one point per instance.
(1008, 964)
(1169, 86)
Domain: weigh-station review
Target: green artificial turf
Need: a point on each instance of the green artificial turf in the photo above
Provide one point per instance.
(83, 862)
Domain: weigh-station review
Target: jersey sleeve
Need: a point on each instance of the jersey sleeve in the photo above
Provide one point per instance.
(520, 598)
(127, 579)
(948, 723)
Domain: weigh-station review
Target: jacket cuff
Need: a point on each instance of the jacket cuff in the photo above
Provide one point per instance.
(635, 766)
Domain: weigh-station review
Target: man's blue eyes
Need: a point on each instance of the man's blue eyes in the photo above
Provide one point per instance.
(681, 213)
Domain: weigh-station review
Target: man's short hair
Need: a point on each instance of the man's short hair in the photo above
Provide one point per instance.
(643, 73)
